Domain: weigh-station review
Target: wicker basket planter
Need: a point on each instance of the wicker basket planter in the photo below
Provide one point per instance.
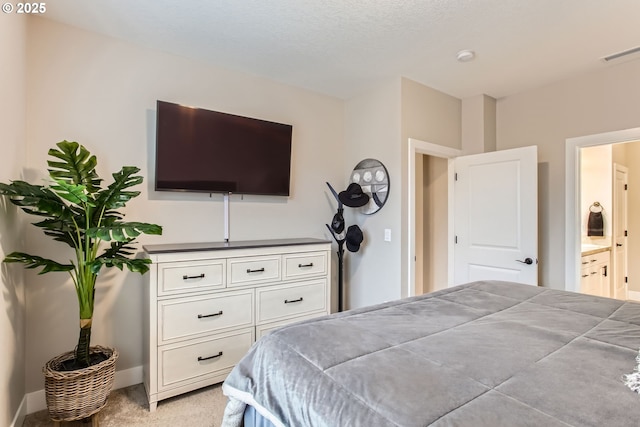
(75, 395)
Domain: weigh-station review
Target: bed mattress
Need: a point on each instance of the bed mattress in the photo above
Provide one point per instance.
(484, 354)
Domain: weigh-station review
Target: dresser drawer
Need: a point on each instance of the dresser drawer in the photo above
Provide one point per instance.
(179, 277)
(280, 302)
(305, 265)
(195, 360)
(599, 257)
(253, 270)
(188, 317)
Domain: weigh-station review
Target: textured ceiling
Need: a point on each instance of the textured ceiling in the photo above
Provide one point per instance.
(341, 47)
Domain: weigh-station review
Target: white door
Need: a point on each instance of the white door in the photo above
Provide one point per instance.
(496, 216)
(619, 244)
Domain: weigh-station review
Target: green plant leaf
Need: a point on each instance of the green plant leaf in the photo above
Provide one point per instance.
(136, 265)
(115, 196)
(123, 231)
(118, 248)
(41, 201)
(74, 193)
(117, 255)
(34, 199)
(77, 165)
(34, 261)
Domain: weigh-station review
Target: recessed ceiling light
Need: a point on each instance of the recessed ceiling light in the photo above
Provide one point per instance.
(465, 55)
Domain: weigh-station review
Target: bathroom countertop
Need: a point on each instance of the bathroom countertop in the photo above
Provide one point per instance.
(590, 249)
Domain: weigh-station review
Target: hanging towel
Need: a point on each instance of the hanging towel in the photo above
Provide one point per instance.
(595, 225)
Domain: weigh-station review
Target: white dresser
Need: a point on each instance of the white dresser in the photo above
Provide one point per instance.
(206, 303)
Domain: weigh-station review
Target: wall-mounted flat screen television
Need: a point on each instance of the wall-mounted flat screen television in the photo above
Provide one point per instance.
(214, 152)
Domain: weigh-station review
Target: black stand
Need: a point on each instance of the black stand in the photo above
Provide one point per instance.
(340, 263)
(340, 251)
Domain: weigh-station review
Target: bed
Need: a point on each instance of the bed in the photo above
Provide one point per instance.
(487, 353)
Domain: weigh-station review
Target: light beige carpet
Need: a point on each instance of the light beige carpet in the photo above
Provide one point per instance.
(128, 407)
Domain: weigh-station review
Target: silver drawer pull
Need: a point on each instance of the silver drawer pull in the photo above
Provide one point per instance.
(305, 265)
(200, 358)
(289, 301)
(199, 276)
(202, 316)
(259, 270)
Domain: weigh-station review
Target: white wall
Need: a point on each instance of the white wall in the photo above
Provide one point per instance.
(102, 92)
(602, 101)
(13, 37)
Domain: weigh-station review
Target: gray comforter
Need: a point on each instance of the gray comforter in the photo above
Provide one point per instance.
(483, 354)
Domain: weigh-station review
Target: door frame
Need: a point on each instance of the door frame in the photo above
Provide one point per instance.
(417, 146)
(615, 258)
(572, 195)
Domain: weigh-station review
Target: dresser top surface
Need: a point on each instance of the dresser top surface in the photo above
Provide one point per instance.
(240, 244)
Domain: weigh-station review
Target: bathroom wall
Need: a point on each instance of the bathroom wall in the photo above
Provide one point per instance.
(595, 186)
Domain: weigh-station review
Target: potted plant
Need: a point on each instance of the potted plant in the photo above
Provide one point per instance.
(74, 209)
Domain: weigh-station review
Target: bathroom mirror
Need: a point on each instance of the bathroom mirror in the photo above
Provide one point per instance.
(373, 177)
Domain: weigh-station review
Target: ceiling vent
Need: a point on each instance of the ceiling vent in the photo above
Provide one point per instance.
(619, 55)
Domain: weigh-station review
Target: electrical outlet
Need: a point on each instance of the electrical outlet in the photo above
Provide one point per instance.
(387, 234)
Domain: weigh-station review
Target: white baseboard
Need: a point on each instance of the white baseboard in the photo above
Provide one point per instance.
(35, 401)
(18, 419)
(127, 377)
(633, 295)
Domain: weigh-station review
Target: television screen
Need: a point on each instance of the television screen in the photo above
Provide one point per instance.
(215, 152)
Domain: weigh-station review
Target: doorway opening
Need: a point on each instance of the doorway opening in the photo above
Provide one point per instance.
(575, 182)
(438, 160)
(603, 219)
(432, 217)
